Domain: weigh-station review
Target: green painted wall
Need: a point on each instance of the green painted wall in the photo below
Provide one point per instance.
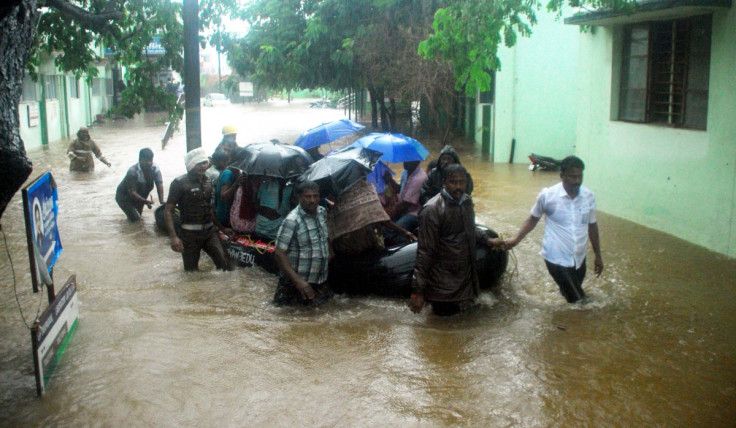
(535, 94)
(678, 181)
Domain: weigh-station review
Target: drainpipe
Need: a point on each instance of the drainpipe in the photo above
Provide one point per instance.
(66, 109)
(513, 102)
(89, 105)
(42, 112)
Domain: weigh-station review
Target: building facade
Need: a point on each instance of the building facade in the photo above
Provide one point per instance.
(54, 107)
(647, 99)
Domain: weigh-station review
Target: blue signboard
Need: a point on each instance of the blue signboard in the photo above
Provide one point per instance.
(41, 210)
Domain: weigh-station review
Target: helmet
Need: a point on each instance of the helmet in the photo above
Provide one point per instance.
(229, 129)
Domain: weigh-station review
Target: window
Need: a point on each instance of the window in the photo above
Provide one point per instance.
(98, 87)
(50, 82)
(73, 87)
(29, 89)
(108, 87)
(664, 72)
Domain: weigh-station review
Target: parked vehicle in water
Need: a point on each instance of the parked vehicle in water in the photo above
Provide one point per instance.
(215, 99)
(543, 163)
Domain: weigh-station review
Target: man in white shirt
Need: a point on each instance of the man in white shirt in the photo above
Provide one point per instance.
(570, 210)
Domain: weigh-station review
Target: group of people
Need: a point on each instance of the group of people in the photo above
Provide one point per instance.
(309, 228)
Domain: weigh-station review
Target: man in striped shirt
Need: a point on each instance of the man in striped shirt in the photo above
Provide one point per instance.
(302, 251)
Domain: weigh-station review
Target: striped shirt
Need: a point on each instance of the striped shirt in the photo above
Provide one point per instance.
(304, 239)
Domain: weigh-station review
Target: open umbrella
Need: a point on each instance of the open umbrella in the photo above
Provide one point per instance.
(395, 147)
(336, 172)
(376, 177)
(327, 132)
(273, 159)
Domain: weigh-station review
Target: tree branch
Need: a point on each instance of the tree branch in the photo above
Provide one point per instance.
(99, 22)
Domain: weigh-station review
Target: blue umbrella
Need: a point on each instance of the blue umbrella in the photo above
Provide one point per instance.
(327, 132)
(376, 177)
(395, 147)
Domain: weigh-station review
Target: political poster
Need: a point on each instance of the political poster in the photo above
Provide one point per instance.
(44, 243)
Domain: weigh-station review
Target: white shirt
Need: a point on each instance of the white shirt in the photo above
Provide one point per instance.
(566, 224)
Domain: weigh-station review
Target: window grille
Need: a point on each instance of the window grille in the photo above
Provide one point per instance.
(664, 72)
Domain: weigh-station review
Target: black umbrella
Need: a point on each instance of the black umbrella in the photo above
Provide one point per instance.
(273, 159)
(337, 171)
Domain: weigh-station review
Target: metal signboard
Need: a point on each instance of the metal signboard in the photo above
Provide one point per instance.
(44, 244)
(51, 332)
(246, 89)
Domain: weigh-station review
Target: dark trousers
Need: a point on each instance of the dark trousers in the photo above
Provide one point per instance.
(569, 279)
(287, 294)
(408, 222)
(197, 240)
(446, 309)
(130, 209)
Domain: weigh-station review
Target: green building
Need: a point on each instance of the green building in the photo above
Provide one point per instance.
(54, 107)
(646, 99)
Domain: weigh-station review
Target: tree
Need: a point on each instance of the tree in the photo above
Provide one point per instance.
(69, 29)
(467, 33)
(343, 46)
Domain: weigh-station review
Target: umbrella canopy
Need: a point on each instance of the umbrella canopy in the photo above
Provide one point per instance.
(273, 159)
(327, 132)
(338, 171)
(395, 147)
(376, 177)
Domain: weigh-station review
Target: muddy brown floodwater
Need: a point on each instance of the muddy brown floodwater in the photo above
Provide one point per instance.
(156, 346)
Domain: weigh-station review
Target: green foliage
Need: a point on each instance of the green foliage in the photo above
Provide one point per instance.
(75, 40)
(467, 35)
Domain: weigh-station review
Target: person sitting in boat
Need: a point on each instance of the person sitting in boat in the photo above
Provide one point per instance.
(433, 184)
(274, 202)
(406, 212)
(302, 251)
(226, 185)
(356, 221)
(382, 178)
(218, 163)
(445, 272)
(243, 210)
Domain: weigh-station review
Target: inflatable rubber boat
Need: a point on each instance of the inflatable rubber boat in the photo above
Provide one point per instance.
(384, 273)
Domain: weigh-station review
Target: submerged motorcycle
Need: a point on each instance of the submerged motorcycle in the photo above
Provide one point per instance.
(543, 163)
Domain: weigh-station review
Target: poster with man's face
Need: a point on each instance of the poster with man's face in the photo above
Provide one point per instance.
(41, 210)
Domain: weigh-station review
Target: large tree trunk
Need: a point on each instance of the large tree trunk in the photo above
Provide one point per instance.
(17, 27)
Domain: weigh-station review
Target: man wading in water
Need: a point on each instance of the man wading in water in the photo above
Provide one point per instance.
(192, 194)
(570, 210)
(302, 251)
(80, 152)
(445, 273)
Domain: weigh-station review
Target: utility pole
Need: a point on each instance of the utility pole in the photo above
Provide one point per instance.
(190, 15)
(219, 48)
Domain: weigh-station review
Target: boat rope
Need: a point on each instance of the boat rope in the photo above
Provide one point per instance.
(15, 285)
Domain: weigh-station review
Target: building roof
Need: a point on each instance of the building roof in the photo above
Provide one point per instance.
(649, 10)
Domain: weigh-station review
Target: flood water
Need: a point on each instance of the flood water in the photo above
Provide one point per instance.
(155, 346)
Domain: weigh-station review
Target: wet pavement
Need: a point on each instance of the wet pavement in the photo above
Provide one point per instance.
(155, 346)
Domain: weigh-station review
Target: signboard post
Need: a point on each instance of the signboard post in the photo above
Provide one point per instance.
(51, 332)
